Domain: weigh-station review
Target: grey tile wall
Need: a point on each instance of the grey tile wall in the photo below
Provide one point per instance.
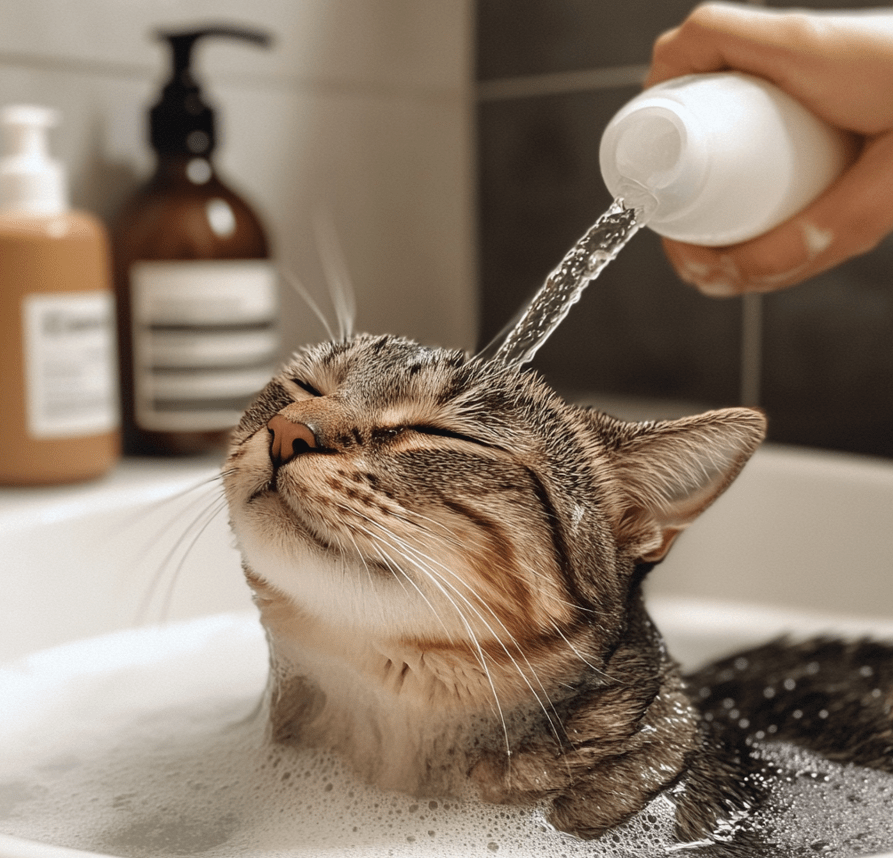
(521, 37)
(551, 73)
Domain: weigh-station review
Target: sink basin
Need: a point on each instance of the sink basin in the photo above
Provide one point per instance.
(109, 585)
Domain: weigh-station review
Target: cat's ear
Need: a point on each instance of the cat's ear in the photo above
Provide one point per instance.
(669, 472)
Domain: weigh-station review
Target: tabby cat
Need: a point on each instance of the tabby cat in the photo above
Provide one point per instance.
(448, 561)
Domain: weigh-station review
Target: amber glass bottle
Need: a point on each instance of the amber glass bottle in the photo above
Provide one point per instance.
(197, 294)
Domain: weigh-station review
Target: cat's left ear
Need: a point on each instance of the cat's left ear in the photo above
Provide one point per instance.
(669, 472)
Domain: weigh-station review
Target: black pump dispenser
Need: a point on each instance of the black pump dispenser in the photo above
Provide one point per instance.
(182, 123)
(197, 292)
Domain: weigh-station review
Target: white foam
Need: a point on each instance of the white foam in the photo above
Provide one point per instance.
(145, 743)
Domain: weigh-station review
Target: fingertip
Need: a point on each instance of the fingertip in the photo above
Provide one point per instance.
(692, 262)
(659, 71)
(718, 289)
(708, 40)
(710, 271)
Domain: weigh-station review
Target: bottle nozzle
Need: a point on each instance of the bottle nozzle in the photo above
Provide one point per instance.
(637, 197)
(182, 44)
(30, 180)
(182, 123)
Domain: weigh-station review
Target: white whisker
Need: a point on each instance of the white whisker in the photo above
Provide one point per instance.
(477, 649)
(580, 655)
(191, 532)
(399, 576)
(429, 566)
(403, 580)
(413, 517)
(335, 267)
(307, 298)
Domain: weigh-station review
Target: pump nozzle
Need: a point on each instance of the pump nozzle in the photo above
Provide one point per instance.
(30, 180)
(181, 122)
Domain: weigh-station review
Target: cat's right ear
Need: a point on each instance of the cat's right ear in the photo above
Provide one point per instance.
(668, 473)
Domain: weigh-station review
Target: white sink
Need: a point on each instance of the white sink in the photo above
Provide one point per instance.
(802, 542)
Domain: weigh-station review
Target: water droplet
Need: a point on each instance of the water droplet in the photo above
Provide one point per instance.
(598, 260)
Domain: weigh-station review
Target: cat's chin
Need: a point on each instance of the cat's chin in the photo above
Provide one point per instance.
(339, 590)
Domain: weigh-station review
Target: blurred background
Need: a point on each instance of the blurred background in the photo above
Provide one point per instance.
(453, 144)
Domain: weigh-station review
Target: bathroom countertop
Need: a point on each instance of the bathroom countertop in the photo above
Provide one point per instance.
(134, 478)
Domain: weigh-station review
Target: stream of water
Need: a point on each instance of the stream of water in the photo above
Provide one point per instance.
(564, 286)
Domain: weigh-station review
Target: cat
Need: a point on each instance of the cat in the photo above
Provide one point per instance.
(448, 562)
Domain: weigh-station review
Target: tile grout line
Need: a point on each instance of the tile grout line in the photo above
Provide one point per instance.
(751, 349)
(558, 83)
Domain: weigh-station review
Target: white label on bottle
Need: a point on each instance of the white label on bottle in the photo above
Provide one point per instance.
(205, 341)
(70, 364)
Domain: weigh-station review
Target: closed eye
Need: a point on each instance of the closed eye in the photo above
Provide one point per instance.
(306, 386)
(440, 432)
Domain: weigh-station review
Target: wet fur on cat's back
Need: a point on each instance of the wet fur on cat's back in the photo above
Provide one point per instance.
(448, 560)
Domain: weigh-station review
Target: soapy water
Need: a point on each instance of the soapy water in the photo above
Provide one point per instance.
(564, 286)
(150, 742)
(156, 748)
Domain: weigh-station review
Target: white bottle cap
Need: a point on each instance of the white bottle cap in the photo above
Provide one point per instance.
(723, 157)
(30, 180)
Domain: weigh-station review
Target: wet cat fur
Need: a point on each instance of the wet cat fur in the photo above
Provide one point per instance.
(448, 569)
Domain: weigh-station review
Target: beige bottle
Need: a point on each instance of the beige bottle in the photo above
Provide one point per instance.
(58, 379)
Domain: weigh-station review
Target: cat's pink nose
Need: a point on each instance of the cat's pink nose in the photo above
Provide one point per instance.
(288, 439)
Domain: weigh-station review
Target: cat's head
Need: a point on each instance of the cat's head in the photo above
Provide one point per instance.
(411, 493)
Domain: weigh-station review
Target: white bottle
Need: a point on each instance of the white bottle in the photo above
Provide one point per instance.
(715, 159)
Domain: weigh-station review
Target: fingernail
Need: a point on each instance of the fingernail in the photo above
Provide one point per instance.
(693, 272)
(815, 238)
(717, 289)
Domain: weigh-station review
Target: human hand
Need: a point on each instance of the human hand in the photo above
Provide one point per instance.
(838, 65)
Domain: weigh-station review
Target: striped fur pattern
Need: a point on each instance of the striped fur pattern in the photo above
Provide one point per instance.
(450, 580)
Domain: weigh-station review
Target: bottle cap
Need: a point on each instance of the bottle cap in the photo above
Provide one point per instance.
(30, 180)
(182, 123)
